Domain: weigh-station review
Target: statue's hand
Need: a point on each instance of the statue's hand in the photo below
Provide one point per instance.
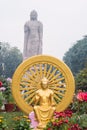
(53, 104)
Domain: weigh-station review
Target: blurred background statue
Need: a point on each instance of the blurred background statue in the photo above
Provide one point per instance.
(33, 33)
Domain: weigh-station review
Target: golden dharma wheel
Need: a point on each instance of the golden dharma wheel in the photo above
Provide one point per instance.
(27, 80)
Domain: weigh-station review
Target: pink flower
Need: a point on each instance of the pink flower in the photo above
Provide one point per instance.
(9, 79)
(34, 123)
(2, 88)
(1, 84)
(82, 96)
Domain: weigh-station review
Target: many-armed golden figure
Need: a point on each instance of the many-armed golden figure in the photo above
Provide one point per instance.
(45, 108)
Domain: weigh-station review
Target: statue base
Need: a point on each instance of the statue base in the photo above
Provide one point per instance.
(38, 129)
(41, 126)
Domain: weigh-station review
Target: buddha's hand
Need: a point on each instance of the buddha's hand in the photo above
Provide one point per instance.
(53, 104)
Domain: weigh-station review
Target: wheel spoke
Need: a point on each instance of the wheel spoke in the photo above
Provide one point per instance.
(49, 71)
(52, 74)
(31, 101)
(27, 88)
(28, 92)
(57, 80)
(29, 97)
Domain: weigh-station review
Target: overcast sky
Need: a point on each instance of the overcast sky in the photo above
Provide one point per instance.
(64, 22)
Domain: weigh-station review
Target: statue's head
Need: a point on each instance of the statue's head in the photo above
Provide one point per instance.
(33, 15)
(44, 83)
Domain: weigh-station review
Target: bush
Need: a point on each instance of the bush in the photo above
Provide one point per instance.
(22, 123)
(3, 123)
(74, 118)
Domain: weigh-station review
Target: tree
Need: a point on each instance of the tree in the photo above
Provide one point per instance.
(76, 56)
(10, 58)
(81, 80)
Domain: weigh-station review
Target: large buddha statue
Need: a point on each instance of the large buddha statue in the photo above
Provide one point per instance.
(33, 33)
(45, 106)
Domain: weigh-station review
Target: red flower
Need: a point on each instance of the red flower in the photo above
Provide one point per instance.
(49, 129)
(82, 96)
(75, 127)
(1, 84)
(85, 97)
(54, 124)
(66, 121)
(66, 113)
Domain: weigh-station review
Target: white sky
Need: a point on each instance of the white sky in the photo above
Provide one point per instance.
(64, 22)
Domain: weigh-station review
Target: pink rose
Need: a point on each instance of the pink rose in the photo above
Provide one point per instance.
(2, 88)
(82, 96)
(85, 97)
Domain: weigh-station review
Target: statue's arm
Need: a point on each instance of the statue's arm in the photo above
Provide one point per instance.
(26, 37)
(40, 31)
(37, 97)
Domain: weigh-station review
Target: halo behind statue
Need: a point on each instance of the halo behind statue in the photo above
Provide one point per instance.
(27, 80)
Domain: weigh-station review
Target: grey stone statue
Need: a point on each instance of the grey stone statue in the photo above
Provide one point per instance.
(33, 33)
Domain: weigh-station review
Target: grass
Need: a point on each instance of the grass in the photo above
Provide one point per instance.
(9, 116)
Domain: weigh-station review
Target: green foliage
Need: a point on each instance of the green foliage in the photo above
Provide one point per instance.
(75, 122)
(50, 126)
(79, 107)
(3, 123)
(79, 103)
(81, 80)
(7, 93)
(74, 118)
(76, 56)
(22, 123)
(83, 121)
(9, 116)
(1, 99)
(80, 119)
(10, 58)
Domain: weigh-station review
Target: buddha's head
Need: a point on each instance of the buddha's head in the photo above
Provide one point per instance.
(33, 15)
(44, 83)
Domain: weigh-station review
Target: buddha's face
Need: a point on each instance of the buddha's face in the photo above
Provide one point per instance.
(44, 83)
(33, 15)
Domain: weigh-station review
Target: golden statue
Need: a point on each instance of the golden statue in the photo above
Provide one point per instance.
(32, 92)
(45, 108)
